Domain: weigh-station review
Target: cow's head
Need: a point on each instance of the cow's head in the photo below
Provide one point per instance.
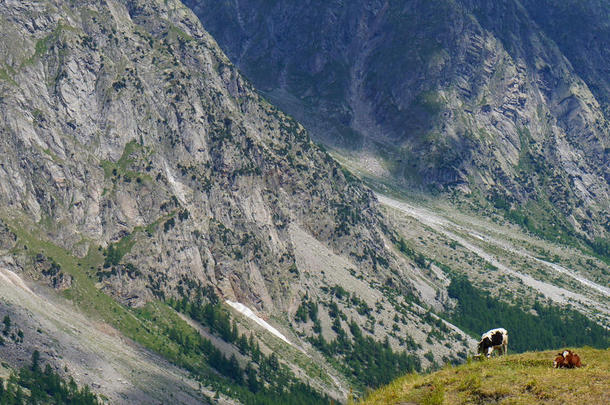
(559, 361)
(483, 345)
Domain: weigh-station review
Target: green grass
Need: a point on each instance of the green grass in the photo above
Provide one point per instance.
(147, 326)
(125, 160)
(121, 166)
(115, 251)
(156, 326)
(83, 290)
(6, 74)
(178, 33)
(42, 45)
(527, 378)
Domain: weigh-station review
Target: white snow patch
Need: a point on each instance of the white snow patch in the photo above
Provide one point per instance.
(244, 310)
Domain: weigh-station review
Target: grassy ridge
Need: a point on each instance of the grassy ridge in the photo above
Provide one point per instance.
(526, 378)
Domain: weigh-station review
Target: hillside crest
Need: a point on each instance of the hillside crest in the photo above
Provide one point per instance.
(525, 378)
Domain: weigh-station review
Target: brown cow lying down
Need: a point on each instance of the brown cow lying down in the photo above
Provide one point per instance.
(567, 359)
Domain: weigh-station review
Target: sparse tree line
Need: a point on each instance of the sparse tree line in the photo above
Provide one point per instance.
(367, 362)
(264, 379)
(10, 331)
(33, 385)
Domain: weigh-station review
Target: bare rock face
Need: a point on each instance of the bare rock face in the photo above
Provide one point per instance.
(125, 128)
(136, 156)
(7, 238)
(473, 96)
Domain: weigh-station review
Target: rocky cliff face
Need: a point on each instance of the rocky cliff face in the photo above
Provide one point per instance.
(136, 158)
(123, 121)
(581, 30)
(463, 95)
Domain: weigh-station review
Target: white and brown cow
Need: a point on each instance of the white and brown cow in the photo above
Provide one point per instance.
(492, 340)
(567, 359)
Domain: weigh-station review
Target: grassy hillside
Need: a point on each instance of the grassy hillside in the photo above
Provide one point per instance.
(526, 378)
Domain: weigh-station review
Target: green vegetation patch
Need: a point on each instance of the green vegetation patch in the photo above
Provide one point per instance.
(264, 380)
(159, 328)
(601, 248)
(552, 327)
(522, 379)
(175, 32)
(42, 45)
(33, 385)
(542, 219)
(367, 362)
(122, 167)
(135, 324)
(7, 73)
(115, 251)
(421, 260)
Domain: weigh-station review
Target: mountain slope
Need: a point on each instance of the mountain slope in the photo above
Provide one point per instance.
(513, 266)
(167, 233)
(521, 379)
(119, 122)
(462, 95)
(85, 348)
(581, 30)
(145, 181)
